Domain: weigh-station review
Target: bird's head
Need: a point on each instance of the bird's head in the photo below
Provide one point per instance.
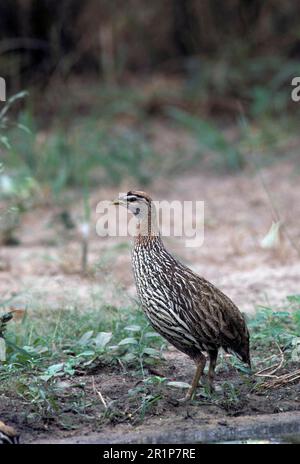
(137, 202)
(140, 205)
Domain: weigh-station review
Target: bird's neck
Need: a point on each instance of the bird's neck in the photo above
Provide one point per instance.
(147, 228)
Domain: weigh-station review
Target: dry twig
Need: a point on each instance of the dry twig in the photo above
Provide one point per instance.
(276, 381)
(99, 394)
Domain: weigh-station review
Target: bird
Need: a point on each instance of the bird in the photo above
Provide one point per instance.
(191, 313)
(8, 435)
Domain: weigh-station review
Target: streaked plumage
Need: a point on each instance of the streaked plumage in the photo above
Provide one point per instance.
(186, 309)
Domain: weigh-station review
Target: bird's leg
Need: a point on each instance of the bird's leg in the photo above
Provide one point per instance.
(213, 355)
(201, 361)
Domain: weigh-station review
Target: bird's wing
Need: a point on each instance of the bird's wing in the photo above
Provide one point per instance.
(209, 313)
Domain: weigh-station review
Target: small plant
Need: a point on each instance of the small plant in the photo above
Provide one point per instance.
(17, 194)
(136, 348)
(230, 393)
(16, 190)
(5, 123)
(270, 327)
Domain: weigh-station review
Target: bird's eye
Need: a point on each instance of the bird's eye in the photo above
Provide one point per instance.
(131, 199)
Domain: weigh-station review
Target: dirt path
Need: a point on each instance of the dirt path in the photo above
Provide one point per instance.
(284, 426)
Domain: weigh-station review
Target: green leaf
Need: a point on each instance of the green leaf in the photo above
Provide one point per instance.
(52, 370)
(151, 352)
(128, 341)
(10, 101)
(24, 352)
(86, 353)
(129, 357)
(113, 347)
(152, 335)
(102, 338)
(86, 337)
(4, 140)
(178, 384)
(133, 328)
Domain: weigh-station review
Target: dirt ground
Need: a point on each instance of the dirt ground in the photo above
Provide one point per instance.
(238, 214)
(121, 418)
(167, 418)
(44, 269)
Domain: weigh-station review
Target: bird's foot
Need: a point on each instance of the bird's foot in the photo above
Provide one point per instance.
(183, 400)
(208, 386)
(211, 388)
(190, 395)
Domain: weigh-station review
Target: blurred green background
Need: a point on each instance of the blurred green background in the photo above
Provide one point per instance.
(109, 82)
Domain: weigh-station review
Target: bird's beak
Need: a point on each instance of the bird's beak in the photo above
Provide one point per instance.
(119, 201)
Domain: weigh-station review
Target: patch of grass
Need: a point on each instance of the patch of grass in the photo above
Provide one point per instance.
(271, 329)
(50, 350)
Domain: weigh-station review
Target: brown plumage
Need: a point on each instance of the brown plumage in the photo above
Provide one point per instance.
(186, 309)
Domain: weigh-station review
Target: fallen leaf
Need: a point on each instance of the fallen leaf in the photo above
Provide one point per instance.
(272, 238)
(178, 384)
